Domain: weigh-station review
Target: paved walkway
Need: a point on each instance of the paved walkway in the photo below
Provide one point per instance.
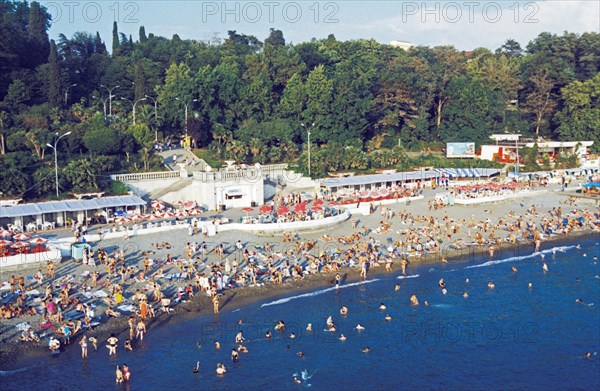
(194, 162)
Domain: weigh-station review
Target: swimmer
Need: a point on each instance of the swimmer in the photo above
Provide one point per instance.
(366, 349)
(292, 335)
(217, 345)
(491, 285)
(359, 327)
(240, 322)
(268, 334)
(388, 317)
(466, 294)
(397, 288)
(584, 254)
(235, 357)
(280, 325)
(329, 320)
(579, 301)
(344, 311)
(514, 269)
(588, 356)
(94, 342)
(441, 283)
(444, 291)
(342, 337)
(221, 370)
(444, 260)
(414, 300)
(578, 247)
(309, 327)
(545, 267)
(296, 380)
(242, 349)
(530, 285)
(196, 368)
(198, 344)
(426, 303)
(382, 307)
(300, 354)
(239, 338)
(467, 280)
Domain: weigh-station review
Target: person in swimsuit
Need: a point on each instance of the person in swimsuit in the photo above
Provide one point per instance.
(119, 374)
(239, 338)
(126, 372)
(84, 346)
(112, 346)
(140, 330)
(235, 357)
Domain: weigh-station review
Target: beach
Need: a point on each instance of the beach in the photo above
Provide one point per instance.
(12, 351)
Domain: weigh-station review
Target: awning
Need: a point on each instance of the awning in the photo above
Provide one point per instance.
(70, 206)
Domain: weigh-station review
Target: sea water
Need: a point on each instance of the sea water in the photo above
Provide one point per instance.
(509, 337)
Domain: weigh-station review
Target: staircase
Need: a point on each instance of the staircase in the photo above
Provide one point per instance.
(194, 162)
(179, 185)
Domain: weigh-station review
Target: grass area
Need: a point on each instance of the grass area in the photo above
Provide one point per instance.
(212, 159)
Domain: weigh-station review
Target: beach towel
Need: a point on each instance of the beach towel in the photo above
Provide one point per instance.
(23, 326)
(126, 308)
(46, 326)
(100, 294)
(33, 292)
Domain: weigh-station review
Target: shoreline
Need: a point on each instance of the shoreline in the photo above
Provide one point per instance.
(13, 353)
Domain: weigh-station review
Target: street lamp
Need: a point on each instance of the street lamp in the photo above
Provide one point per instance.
(155, 115)
(133, 105)
(67, 92)
(56, 158)
(103, 104)
(308, 129)
(110, 96)
(186, 112)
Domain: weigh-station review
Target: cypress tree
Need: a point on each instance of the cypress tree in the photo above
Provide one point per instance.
(115, 40)
(54, 91)
(143, 37)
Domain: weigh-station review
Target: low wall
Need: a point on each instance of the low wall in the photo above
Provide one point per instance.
(64, 245)
(364, 206)
(498, 198)
(27, 261)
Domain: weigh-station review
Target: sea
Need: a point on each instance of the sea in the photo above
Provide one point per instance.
(514, 336)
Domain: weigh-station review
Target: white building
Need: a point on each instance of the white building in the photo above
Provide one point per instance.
(237, 189)
(401, 44)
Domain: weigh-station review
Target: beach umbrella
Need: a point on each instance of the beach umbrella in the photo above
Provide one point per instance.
(178, 204)
(334, 203)
(19, 244)
(384, 192)
(4, 243)
(138, 218)
(153, 217)
(195, 212)
(318, 203)
(265, 209)
(181, 215)
(364, 194)
(316, 208)
(375, 194)
(21, 237)
(283, 209)
(189, 205)
(6, 233)
(38, 241)
(300, 208)
(248, 210)
(157, 204)
(167, 215)
(122, 220)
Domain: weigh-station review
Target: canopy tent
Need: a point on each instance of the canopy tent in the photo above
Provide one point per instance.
(592, 185)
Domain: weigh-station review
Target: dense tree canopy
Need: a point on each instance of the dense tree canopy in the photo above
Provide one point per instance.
(254, 101)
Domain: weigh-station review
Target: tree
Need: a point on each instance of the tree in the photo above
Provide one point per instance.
(510, 48)
(4, 126)
(140, 88)
(142, 35)
(293, 101)
(18, 94)
(178, 84)
(318, 104)
(54, 82)
(275, 38)
(116, 43)
(580, 116)
(39, 22)
(81, 175)
(540, 101)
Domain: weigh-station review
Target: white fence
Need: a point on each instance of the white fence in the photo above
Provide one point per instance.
(145, 176)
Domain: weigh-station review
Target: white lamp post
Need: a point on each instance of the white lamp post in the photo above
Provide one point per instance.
(110, 96)
(56, 158)
(308, 129)
(67, 92)
(186, 104)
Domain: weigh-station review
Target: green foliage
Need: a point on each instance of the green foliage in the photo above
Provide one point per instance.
(118, 188)
(102, 140)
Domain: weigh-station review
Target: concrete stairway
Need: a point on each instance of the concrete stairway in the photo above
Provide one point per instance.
(179, 185)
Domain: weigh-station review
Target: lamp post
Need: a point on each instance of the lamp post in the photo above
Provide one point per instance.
(186, 104)
(110, 96)
(67, 92)
(133, 105)
(56, 158)
(308, 130)
(103, 104)
(155, 115)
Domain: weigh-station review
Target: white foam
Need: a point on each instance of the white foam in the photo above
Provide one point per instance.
(520, 258)
(403, 277)
(8, 373)
(316, 293)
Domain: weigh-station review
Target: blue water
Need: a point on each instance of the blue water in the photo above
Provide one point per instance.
(511, 337)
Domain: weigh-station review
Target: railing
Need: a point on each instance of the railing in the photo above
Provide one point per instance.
(250, 174)
(145, 176)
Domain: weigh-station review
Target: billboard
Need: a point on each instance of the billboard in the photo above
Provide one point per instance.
(460, 150)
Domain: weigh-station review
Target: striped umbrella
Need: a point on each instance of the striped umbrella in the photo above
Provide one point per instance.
(38, 241)
(189, 205)
(19, 244)
(318, 203)
(282, 210)
(157, 204)
(384, 192)
(21, 237)
(300, 208)
(334, 203)
(122, 220)
(316, 208)
(138, 218)
(195, 212)
(153, 217)
(4, 243)
(265, 209)
(181, 215)
(167, 215)
(6, 233)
